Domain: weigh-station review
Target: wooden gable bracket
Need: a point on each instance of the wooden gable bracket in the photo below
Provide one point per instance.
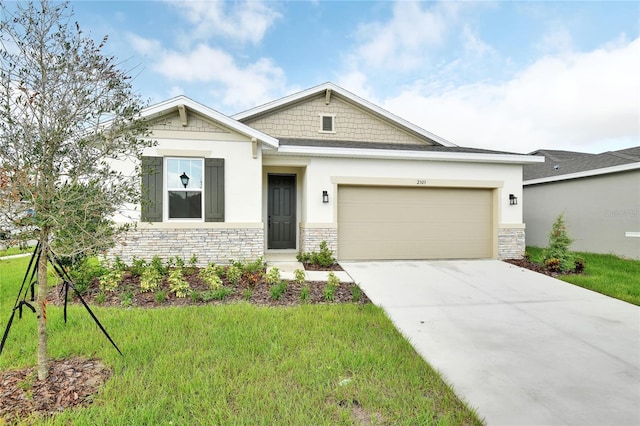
(327, 97)
(254, 147)
(182, 110)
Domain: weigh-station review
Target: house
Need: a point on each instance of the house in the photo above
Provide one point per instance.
(320, 165)
(598, 194)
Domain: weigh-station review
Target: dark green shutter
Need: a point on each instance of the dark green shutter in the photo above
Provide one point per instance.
(152, 189)
(214, 189)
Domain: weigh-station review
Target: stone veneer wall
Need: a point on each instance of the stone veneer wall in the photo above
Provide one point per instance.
(511, 243)
(310, 239)
(217, 245)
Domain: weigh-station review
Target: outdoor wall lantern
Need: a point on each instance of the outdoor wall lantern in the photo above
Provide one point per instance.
(184, 179)
(513, 200)
(325, 197)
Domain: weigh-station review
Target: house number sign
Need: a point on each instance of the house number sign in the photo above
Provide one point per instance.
(421, 182)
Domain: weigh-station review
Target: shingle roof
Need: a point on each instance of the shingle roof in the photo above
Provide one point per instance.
(392, 146)
(558, 163)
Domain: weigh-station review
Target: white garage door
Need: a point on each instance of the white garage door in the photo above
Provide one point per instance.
(414, 223)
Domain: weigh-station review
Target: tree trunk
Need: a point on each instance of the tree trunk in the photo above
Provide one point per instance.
(43, 366)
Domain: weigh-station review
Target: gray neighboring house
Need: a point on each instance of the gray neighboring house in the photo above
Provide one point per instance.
(599, 195)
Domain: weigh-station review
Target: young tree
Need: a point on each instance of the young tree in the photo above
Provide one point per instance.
(557, 253)
(68, 116)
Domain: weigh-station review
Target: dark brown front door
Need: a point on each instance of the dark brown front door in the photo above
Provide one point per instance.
(281, 232)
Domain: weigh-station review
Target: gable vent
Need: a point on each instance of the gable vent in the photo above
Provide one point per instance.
(327, 123)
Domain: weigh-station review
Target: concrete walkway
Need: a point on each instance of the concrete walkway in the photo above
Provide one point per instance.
(520, 347)
(287, 272)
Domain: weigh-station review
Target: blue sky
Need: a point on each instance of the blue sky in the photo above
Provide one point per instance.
(512, 76)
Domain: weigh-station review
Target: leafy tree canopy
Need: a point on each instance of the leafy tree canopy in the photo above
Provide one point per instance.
(69, 119)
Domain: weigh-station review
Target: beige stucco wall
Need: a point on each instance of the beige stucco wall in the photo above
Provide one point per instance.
(302, 121)
(243, 172)
(598, 211)
(319, 174)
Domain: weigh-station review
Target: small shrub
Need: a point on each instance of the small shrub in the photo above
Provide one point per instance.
(273, 276)
(559, 242)
(111, 280)
(196, 296)
(333, 282)
(257, 266)
(193, 260)
(246, 295)
(156, 263)
(179, 262)
(356, 293)
(322, 258)
(233, 274)
(329, 293)
(303, 257)
(305, 293)
(138, 266)
(300, 276)
(118, 264)
(126, 299)
(579, 265)
(218, 294)
(210, 276)
(332, 279)
(177, 283)
(150, 279)
(553, 264)
(252, 279)
(277, 290)
(101, 298)
(84, 272)
(161, 296)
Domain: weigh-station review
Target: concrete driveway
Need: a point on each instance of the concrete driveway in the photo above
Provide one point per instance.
(519, 347)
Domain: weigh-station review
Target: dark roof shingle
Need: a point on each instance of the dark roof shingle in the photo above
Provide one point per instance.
(392, 146)
(558, 163)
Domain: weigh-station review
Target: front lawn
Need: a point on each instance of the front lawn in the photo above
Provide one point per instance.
(239, 364)
(604, 273)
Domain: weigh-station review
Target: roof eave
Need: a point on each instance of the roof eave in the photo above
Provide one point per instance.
(308, 151)
(583, 174)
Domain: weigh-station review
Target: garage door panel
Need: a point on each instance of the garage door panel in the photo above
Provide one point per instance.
(414, 223)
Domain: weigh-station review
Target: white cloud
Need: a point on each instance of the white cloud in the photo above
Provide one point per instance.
(399, 43)
(144, 46)
(580, 101)
(474, 45)
(558, 40)
(245, 21)
(216, 71)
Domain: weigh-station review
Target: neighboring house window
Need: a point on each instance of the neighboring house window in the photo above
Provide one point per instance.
(185, 203)
(327, 123)
(204, 194)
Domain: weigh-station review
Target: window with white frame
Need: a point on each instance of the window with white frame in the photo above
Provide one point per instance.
(184, 186)
(327, 123)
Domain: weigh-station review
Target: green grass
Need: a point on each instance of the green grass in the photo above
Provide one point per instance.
(240, 364)
(10, 251)
(604, 273)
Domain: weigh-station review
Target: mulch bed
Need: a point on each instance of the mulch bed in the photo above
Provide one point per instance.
(71, 383)
(536, 267)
